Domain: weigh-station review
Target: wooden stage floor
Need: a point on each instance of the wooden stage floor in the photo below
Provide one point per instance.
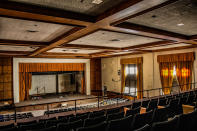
(55, 99)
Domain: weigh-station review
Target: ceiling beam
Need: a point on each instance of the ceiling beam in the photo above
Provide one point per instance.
(64, 54)
(145, 11)
(158, 43)
(194, 37)
(13, 53)
(122, 10)
(43, 14)
(150, 32)
(23, 43)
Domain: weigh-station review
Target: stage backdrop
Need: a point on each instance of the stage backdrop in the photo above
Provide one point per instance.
(20, 90)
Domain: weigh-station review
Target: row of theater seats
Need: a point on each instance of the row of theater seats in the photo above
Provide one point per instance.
(169, 116)
(83, 107)
(9, 117)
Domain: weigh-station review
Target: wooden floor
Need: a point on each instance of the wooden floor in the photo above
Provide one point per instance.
(54, 99)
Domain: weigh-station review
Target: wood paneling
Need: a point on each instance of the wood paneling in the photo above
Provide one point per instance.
(95, 76)
(6, 90)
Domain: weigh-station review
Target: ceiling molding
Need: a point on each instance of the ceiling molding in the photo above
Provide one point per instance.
(152, 44)
(64, 54)
(13, 53)
(152, 32)
(103, 20)
(43, 14)
(23, 43)
(145, 11)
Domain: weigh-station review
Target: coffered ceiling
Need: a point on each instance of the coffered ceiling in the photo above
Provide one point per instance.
(95, 28)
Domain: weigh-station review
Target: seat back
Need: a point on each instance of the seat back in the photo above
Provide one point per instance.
(161, 114)
(144, 128)
(94, 121)
(133, 111)
(97, 114)
(136, 105)
(115, 116)
(99, 127)
(171, 125)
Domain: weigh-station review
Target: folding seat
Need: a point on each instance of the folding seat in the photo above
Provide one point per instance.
(114, 110)
(152, 105)
(183, 100)
(69, 126)
(52, 128)
(142, 119)
(34, 126)
(6, 126)
(26, 123)
(162, 101)
(145, 103)
(65, 117)
(29, 114)
(94, 121)
(136, 105)
(175, 107)
(133, 111)
(190, 100)
(99, 127)
(47, 119)
(161, 114)
(170, 125)
(10, 129)
(123, 124)
(78, 117)
(55, 122)
(187, 122)
(97, 114)
(144, 128)
(115, 116)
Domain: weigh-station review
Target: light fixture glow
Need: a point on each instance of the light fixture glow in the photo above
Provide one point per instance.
(97, 1)
(180, 24)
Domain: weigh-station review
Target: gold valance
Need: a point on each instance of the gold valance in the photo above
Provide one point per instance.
(137, 60)
(45, 67)
(176, 57)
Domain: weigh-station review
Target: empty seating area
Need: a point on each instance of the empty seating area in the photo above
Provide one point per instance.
(17, 116)
(162, 113)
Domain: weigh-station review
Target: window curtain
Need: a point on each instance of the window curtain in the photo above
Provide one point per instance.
(184, 74)
(138, 61)
(184, 66)
(26, 69)
(166, 75)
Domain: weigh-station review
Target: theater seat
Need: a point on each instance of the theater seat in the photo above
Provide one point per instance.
(52, 128)
(144, 128)
(94, 121)
(115, 116)
(171, 125)
(99, 127)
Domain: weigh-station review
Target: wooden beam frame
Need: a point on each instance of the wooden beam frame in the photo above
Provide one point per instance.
(43, 14)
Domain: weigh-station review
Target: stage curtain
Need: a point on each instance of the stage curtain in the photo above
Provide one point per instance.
(184, 66)
(166, 75)
(25, 79)
(25, 76)
(184, 74)
(139, 62)
(46, 67)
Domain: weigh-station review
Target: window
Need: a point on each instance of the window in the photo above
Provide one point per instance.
(131, 79)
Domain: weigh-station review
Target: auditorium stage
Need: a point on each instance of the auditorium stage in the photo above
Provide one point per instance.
(55, 102)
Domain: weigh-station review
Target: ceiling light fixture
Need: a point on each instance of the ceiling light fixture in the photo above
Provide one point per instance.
(180, 24)
(97, 2)
(32, 31)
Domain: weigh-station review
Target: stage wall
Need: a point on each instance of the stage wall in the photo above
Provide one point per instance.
(16, 62)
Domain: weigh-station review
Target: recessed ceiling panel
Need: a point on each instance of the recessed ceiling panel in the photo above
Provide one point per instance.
(15, 29)
(80, 51)
(167, 46)
(89, 7)
(17, 48)
(179, 17)
(113, 39)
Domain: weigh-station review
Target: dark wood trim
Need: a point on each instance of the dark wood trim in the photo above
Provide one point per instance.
(152, 32)
(145, 11)
(23, 43)
(13, 53)
(43, 14)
